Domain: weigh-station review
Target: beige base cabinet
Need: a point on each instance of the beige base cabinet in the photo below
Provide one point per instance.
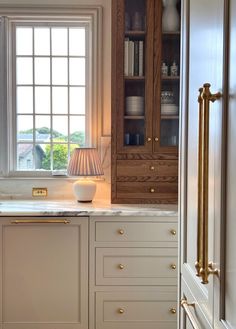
(44, 273)
(133, 272)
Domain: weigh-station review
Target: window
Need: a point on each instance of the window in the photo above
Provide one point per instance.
(51, 97)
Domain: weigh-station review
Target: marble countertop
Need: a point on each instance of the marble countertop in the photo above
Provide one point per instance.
(73, 208)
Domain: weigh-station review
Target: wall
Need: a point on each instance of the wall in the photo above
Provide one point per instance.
(61, 188)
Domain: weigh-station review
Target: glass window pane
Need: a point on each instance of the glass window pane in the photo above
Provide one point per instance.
(42, 100)
(24, 128)
(59, 71)
(24, 37)
(60, 100)
(24, 71)
(25, 157)
(77, 71)
(40, 156)
(42, 41)
(77, 41)
(77, 130)
(59, 41)
(24, 100)
(43, 128)
(42, 71)
(77, 100)
(46, 159)
(60, 156)
(60, 128)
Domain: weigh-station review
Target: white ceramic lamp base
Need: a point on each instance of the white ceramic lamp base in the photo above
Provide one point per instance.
(84, 190)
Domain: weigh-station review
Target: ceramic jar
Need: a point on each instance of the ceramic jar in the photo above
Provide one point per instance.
(170, 16)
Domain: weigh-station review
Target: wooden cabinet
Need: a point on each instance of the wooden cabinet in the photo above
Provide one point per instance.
(145, 104)
(44, 273)
(133, 276)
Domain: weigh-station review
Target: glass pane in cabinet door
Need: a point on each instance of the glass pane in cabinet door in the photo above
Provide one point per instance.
(169, 125)
(134, 72)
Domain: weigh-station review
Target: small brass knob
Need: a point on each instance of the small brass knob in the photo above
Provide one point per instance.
(152, 168)
(121, 266)
(156, 139)
(173, 266)
(173, 232)
(121, 232)
(149, 139)
(173, 310)
(152, 190)
(121, 311)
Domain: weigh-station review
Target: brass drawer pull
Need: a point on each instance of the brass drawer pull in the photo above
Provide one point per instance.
(149, 139)
(173, 232)
(152, 168)
(41, 221)
(121, 266)
(156, 139)
(121, 310)
(173, 266)
(121, 232)
(152, 190)
(173, 310)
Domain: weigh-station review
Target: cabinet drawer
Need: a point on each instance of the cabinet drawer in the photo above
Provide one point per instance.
(148, 190)
(147, 170)
(136, 231)
(136, 266)
(136, 310)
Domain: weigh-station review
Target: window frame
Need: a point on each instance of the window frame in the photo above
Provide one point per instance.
(9, 17)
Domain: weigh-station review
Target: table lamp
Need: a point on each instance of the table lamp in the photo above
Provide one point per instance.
(84, 162)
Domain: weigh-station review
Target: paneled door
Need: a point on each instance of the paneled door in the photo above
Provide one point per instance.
(201, 160)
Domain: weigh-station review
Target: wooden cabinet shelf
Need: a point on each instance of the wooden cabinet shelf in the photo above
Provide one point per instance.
(139, 87)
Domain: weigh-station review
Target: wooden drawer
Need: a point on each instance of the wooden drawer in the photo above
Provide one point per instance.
(148, 190)
(147, 170)
(120, 231)
(136, 310)
(136, 266)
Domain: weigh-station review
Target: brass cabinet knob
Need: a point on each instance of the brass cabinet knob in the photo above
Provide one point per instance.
(173, 266)
(152, 168)
(156, 139)
(173, 232)
(121, 232)
(121, 310)
(173, 310)
(121, 266)
(152, 190)
(149, 139)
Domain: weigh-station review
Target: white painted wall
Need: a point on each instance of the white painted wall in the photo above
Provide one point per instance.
(61, 189)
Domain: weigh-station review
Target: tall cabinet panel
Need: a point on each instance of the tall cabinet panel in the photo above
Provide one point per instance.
(145, 100)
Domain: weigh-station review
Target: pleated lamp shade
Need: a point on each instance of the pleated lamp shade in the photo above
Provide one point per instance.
(85, 162)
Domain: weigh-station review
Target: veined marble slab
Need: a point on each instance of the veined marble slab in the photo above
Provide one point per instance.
(73, 208)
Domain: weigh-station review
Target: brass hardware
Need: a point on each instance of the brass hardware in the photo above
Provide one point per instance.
(149, 139)
(41, 221)
(121, 311)
(186, 306)
(173, 232)
(173, 310)
(204, 99)
(156, 139)
(121, 266)
(152, 168)
(121, 232)
(173, 266)
(152, 190)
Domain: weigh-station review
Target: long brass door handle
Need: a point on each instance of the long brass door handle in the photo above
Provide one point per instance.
(202, 264)
(40, 221)
(186, 306)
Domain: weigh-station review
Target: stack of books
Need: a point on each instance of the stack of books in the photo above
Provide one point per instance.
(133, 58)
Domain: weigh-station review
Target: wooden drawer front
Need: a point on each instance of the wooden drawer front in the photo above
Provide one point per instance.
(136, 231)
(146, 170)
(148, 190)
(136, 310)
(136, 266)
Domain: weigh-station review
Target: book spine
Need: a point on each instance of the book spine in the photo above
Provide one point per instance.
(131, 59)
(141, 59)
(126, 57)
(136, 58)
